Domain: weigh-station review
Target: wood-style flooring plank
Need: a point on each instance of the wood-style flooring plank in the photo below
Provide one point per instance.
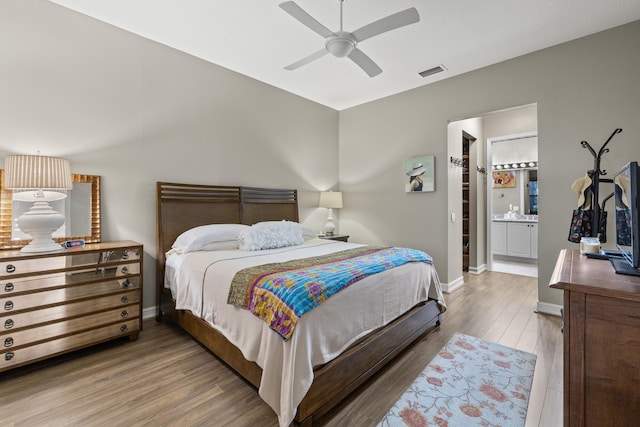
(165, 378)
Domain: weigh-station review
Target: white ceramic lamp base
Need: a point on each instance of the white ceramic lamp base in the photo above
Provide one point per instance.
(329, 227)
(40, 222)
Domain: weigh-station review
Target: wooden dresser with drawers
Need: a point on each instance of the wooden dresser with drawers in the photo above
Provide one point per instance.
(601, 342)
(55, 302)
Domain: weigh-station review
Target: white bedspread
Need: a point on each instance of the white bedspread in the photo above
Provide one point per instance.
(199, 282)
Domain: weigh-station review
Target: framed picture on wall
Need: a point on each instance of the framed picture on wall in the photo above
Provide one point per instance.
(420, 174)
(504, 179)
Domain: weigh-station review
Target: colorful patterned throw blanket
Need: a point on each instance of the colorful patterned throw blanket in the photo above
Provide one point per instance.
(280, 293)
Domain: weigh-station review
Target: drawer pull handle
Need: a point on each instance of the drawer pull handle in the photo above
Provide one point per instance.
(123, 328)
(126, 283)
(8, 305)
(8, 342)
(124, 314)
(8, 287)
(8, 324)
(11, 268)
(8, 356)
(125, 255)
(125, 270)
(124, 299)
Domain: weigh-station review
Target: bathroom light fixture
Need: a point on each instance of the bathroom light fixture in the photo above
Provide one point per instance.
(330, 200)
(511, 166)
(39, 179)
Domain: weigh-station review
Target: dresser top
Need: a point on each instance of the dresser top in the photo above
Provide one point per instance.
(576, 272)
(12, 254)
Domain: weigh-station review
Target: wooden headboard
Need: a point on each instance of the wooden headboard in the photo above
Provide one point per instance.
(180, 207)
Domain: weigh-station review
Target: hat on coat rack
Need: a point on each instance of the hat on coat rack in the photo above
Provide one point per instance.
(580, 186)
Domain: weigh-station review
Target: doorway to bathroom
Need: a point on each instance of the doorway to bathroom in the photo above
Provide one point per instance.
(506, 127)
(512, 204)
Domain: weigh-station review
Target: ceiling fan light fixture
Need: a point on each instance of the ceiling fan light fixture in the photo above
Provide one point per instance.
(341, 45)
(344, 44)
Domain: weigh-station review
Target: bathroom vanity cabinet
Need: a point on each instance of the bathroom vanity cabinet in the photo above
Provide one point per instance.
(517, 238)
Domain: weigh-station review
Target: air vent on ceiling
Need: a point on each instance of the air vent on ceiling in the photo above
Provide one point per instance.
(440, 68)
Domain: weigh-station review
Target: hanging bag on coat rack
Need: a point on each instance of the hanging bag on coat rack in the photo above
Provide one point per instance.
(580, 224)
(602, 229)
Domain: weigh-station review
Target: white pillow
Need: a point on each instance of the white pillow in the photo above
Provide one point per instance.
(221, 245)
(209, 237)
(270, 235)
(308, 233)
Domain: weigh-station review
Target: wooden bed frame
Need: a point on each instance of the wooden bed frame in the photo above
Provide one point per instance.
(184, 206)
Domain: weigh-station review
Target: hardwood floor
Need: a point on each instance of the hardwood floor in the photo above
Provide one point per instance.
(165, 378)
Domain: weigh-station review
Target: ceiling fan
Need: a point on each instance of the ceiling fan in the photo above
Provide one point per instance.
(342, 43)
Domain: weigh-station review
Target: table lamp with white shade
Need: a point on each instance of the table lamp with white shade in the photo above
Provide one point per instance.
(39, 179)
(330, 200)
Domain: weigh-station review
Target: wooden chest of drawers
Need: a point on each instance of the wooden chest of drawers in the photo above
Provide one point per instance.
(601, 342)
(55, 302)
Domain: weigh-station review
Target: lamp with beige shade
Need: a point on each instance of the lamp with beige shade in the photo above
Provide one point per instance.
(330, 200)
(39, 179)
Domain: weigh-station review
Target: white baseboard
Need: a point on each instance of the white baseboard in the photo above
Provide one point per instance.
(148, 313)
(545, 307)
(478, 270)
(452, 286)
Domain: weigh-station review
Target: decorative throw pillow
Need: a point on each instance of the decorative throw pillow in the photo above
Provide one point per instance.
(270, 235)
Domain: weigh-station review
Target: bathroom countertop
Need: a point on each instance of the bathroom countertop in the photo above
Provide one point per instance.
(520, 218)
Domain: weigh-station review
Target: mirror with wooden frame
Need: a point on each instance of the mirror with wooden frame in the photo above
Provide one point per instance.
(81, 208)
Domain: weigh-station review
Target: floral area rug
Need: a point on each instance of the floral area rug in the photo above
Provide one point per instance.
(471, 382)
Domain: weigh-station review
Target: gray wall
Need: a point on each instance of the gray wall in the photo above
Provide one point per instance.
(584, 89)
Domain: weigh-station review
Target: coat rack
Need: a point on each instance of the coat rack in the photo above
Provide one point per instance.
(595, 175)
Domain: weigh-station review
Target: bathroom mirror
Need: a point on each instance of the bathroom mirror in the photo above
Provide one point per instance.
(515, 159)
(81, 208)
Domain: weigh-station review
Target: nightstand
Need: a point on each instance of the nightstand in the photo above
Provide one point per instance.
(339, 237)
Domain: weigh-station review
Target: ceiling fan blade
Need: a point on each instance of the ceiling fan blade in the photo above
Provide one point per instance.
(391, 22)
(297, 12)
(319, 54)
(364, 62)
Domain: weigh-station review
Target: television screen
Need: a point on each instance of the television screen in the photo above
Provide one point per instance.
(626, 213)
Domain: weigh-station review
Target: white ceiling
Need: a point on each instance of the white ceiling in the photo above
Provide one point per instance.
(257, 38)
